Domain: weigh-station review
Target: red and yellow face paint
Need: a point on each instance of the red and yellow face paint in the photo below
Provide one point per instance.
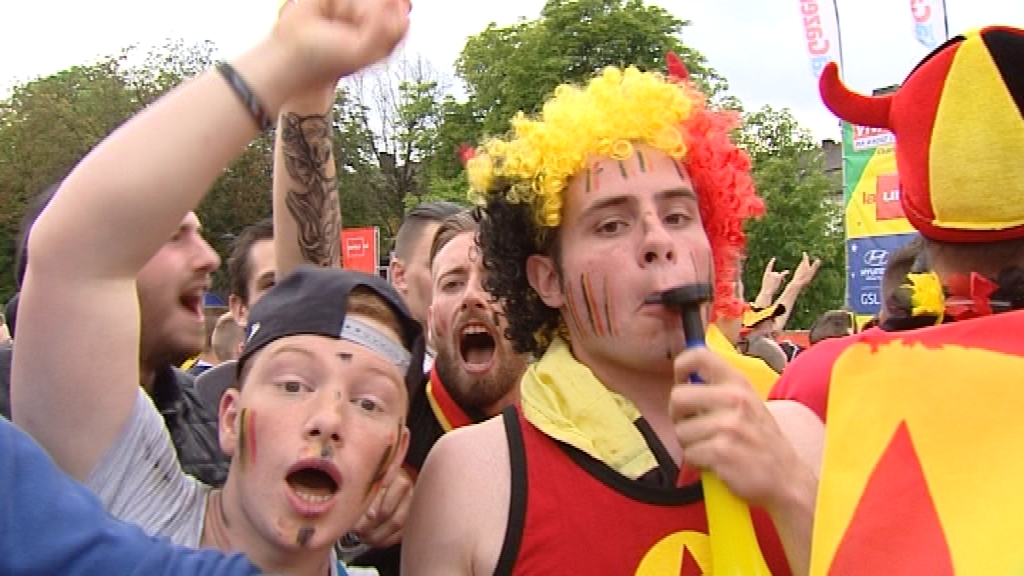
(247, 437)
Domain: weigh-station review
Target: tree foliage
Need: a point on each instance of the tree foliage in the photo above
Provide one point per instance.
(804, 214)
(398, 127)
(515, 68)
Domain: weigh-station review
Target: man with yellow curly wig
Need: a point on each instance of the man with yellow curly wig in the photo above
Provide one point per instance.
(619, 190)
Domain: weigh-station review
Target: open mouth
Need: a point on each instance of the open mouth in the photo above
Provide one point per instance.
(193, 302)
(312, 485)
(476, 346)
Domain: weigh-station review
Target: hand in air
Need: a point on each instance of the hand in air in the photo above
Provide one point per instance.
(336, 38)
(772, 281)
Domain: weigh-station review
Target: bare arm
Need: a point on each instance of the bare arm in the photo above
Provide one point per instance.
(794, 520)
(459, 511)
(72, 390)
(805, 272)
(307, 216)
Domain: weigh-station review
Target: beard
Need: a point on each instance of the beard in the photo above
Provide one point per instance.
(479, 391)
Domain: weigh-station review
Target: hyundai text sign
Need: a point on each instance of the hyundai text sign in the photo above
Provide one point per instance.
(359, 249)
(867, 259)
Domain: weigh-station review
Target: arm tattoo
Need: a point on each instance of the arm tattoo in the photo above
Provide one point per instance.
(313, 195)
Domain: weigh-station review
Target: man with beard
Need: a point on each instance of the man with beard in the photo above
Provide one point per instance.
(170, 289)
(315, 426)
(476, 371)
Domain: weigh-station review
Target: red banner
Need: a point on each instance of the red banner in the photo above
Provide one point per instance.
(359, 249)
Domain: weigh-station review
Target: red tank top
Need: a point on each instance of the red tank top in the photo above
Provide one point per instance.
(571, 514)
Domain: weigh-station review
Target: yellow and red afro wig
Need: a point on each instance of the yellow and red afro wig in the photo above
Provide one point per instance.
(959, 125)
(615, 110)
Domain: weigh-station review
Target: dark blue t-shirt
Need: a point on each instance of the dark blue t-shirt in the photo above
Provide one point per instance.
(50, 524)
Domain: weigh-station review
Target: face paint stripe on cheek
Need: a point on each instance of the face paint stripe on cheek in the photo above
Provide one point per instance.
(623, 170)
(243, 437)
(588, 303)
(574, 315)
(641, 161)
(601, 331)
(385, 461)
(252, 437)
(608, 307)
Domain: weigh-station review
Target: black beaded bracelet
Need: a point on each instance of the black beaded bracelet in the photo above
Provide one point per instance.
(246, 95)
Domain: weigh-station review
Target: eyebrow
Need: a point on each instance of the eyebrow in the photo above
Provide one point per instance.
(460, 269)
(292, 348)
(678, 192)
(385, 375)
(615, 201)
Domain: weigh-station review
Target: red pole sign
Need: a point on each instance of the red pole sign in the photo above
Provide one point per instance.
(359, 249)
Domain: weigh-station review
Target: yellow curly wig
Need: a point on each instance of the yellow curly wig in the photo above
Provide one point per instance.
(605, 118)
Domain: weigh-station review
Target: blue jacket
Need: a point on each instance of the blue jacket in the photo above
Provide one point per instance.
(50, 524)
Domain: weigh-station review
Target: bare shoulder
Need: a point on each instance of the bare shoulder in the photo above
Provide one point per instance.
(460, 504)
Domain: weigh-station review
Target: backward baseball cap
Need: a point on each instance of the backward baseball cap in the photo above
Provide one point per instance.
(314, 300)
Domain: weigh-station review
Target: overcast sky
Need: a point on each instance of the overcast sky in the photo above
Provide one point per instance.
(756, 44)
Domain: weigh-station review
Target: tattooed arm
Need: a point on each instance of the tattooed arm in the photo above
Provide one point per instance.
(307, 216)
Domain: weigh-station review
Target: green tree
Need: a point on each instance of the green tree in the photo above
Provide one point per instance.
(804, 211)
(46, 126)
(403, 108)
(513, 68)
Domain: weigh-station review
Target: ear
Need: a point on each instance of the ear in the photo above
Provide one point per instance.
(238, 310)
(397, 273)
(543, 277)
(228, 421)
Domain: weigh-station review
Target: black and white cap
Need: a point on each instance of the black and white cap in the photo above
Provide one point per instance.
(314, 300)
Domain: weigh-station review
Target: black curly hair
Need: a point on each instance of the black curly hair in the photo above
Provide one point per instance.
(507, 238)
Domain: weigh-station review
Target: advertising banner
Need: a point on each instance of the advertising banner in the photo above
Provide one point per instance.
(875, 224)
(929, 22)
(359, 249)
(821, 33)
